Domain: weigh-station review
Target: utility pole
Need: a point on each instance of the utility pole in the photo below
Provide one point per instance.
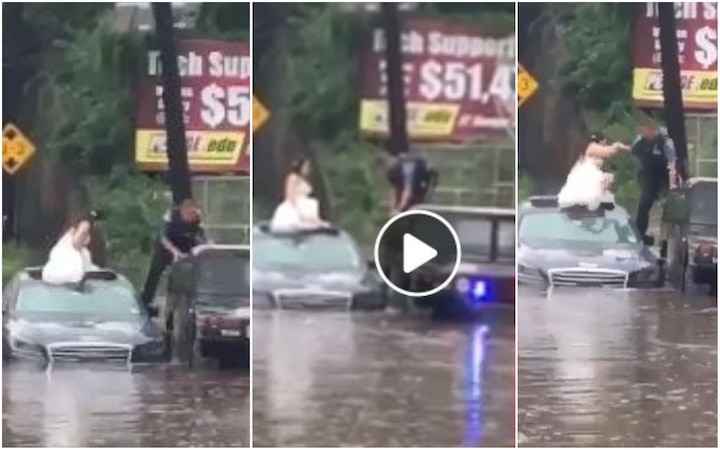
(672, 90)
(395, 83)
(178, 168)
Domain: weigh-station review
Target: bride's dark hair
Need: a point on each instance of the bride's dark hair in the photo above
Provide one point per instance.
(297, 165)
(597, 137)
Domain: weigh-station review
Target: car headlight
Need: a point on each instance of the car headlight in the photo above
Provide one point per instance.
(529, 272)
(27, 347)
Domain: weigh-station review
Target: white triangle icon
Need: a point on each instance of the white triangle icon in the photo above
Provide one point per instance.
(415, 253)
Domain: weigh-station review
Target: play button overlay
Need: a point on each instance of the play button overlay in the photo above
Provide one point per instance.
(417, 253)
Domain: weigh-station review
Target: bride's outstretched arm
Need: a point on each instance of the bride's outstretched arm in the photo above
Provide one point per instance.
(596, 150)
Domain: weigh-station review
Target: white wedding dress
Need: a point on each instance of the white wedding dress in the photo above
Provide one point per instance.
(302, 214)
(586, 185)
(66, 264)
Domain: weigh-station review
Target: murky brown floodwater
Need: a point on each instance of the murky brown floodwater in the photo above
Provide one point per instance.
(617, 369)
(341, 379)
(100, 406)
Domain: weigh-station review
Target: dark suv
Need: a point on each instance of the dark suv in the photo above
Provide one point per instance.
(207, 311)
(689, 229)
(486, 274)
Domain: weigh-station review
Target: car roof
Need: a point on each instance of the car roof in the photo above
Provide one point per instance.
(263, 229)
(210, 247)
(469, 210)
(527, 206)
(31, 276)
(697, 180)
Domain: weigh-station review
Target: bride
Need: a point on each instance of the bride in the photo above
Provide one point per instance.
(587, 184)
(299, 210)
(70, 258)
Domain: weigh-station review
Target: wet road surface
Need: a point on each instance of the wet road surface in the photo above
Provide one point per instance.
(101, 406)
(357, 379)
(630, 368)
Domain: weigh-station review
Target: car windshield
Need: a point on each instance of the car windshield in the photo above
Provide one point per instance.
(317, 253)
(703, 205)
(475, 234)
(224, 272)
(97, 300)
(554, 228)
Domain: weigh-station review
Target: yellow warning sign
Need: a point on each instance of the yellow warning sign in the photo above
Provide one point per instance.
(260, 114)
(17, 149)
(526, 85)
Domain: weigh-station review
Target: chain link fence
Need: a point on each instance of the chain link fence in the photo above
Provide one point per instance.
(225, 201)
(702, 144)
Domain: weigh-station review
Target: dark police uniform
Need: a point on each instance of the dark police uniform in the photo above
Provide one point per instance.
(184, 236)
(410, 172)
(653, 156)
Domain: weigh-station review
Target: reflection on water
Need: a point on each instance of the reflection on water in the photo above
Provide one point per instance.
(337, 379)
(100, 406)
(599, 368)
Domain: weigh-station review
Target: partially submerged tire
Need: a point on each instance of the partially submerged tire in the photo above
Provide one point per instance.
(183, 338)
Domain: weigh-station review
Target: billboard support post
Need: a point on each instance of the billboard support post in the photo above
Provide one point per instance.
(395, 84)
(672, 90)
(178, 167)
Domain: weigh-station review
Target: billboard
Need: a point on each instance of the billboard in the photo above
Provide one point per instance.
(697, 49)
(217, 107)
(458, 81)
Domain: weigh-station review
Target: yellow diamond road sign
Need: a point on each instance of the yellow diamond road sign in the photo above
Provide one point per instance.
(17, 149)
(526, 85)
(260, 114)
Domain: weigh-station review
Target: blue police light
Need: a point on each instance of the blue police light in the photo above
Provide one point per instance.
(476, 290)
(481, 291)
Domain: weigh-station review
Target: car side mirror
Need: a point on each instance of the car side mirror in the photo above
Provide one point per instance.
(649, 241)
(153, 311)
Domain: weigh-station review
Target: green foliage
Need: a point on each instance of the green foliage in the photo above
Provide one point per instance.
(597, 71)
(493, 17)
(323, 63)
(14, 258)
(92, 111)
(133, 204)
(225, 20)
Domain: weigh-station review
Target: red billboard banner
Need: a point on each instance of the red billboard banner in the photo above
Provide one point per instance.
(216, 101)
(697, 50)
(459, 81)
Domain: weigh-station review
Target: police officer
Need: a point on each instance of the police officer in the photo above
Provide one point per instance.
(410, 180)
(182, 231)
(656, 155)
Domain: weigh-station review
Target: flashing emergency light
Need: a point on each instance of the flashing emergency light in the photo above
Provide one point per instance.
(476, 290)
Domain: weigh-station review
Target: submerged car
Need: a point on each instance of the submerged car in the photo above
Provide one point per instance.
(578, 247)
(689, 231)
(100, 320)
(207, 310)
(319, 269)
(486, 274)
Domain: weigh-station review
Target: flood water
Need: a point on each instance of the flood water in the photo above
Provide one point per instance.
(102, 406)
(359, 379)
(634, 368)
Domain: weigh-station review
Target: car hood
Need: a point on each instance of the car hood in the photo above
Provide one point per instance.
(243, 312)
(628, 258)
(264, 281)
(43, 331)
